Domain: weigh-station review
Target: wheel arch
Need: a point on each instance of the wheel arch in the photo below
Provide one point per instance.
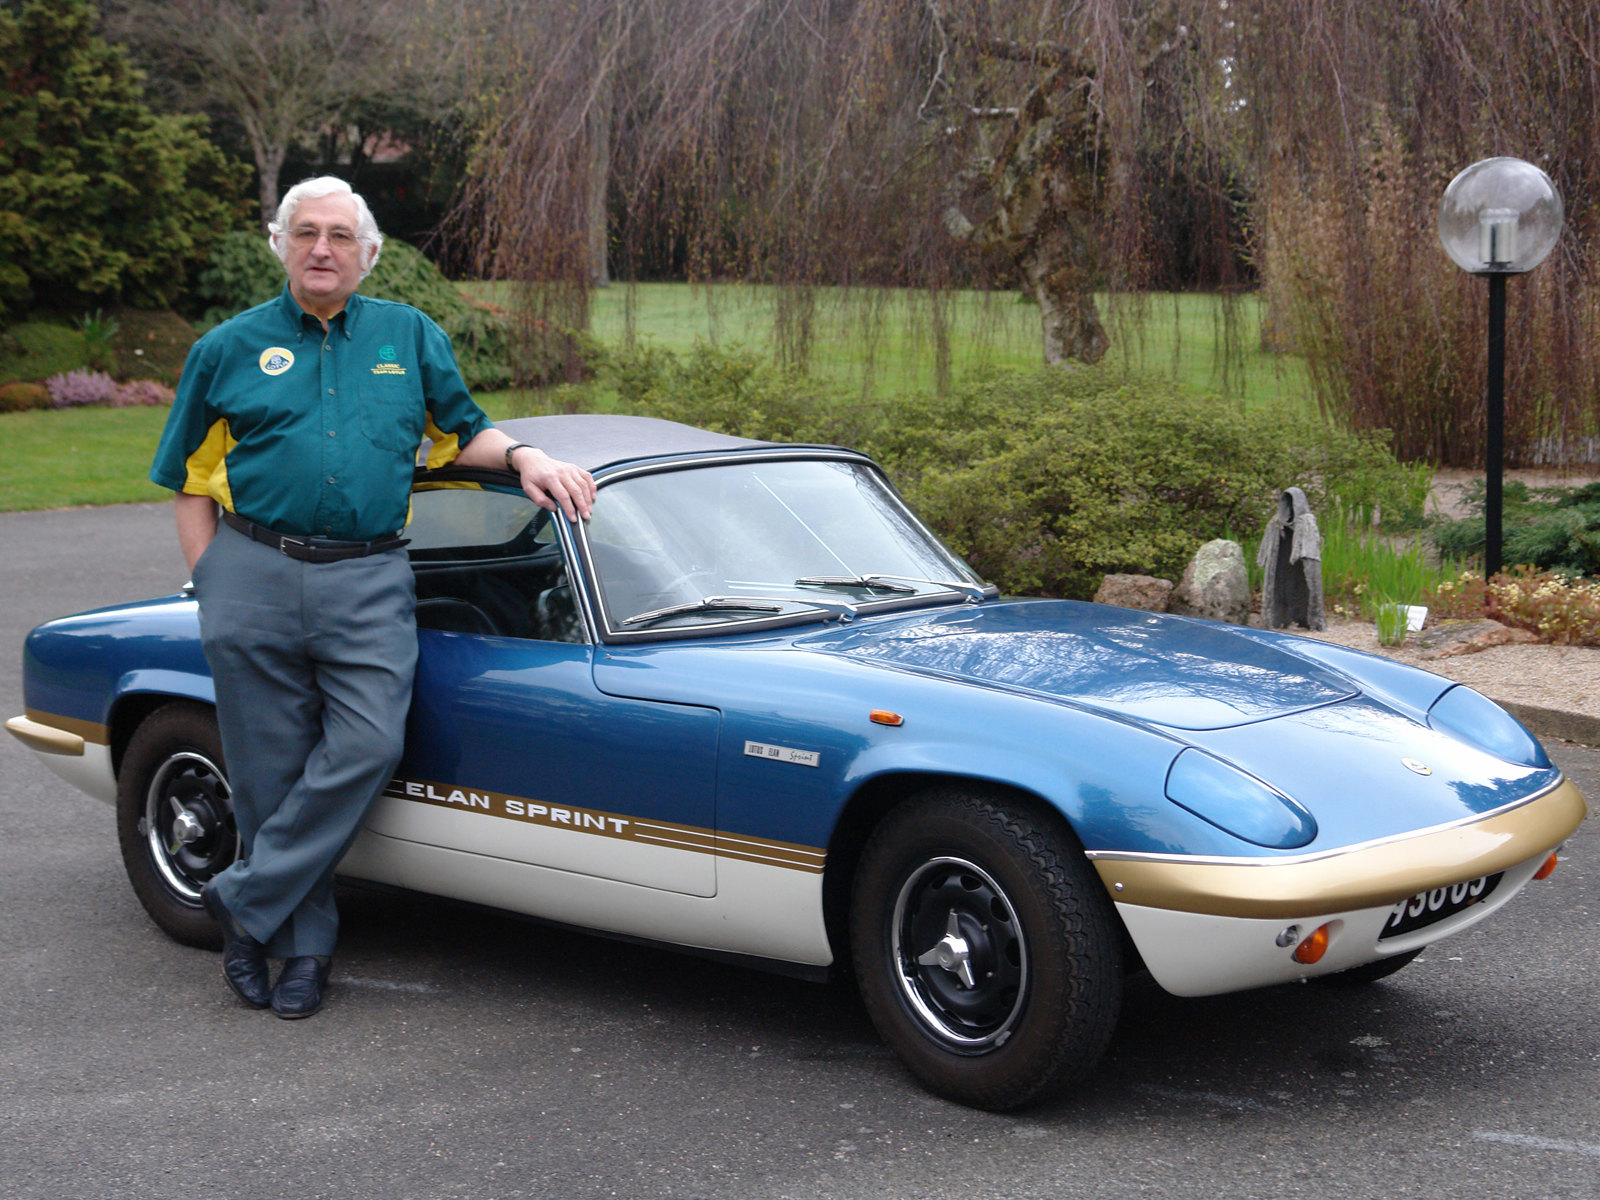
(132, 709)
(871, 802)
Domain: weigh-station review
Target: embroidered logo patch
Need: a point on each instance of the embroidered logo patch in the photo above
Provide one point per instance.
(388, 369)
(275, 360)
(387, 353)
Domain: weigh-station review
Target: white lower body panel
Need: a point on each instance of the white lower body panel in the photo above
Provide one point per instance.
(88, 772)
(759, 910)
(1199, 954)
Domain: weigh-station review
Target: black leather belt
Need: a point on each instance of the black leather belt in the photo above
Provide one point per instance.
(316, 550)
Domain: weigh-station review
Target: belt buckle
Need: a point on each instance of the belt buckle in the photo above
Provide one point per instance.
(285, 541)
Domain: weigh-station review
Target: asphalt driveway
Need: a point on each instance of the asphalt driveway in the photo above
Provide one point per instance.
(464, 1054)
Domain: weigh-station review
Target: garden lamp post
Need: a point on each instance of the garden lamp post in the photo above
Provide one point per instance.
(1499, 217)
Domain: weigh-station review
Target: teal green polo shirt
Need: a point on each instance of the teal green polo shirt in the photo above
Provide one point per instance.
(315, 433)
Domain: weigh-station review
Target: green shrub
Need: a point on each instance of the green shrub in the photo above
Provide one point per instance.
(1046, 480)
(243, 272)
(733, 391)
(1552, 529)
(101, 198)
(36, 350)
(21, 397)
(150, 344)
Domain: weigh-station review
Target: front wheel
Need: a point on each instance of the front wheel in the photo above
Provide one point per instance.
(986, 949)
(175, 818)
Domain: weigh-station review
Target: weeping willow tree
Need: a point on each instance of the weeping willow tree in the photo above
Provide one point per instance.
(822, 143)
(1356, 117)
(1074, 149)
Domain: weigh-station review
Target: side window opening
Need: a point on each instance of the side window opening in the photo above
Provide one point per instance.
(487, 562)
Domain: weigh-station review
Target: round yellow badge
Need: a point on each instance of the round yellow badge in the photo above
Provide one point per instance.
(275, 360)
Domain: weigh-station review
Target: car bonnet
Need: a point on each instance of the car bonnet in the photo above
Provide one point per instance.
(1180, 673)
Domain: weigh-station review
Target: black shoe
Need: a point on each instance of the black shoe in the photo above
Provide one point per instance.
(300, 984)
(244, 960)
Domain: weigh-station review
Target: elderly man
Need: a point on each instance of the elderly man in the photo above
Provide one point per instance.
(302, 419)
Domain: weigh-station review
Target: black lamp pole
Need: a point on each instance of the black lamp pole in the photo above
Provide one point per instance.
(1501, 216)
(1495, 448)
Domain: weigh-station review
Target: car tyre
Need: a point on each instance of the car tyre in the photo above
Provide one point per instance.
(175, 821)
(986, 948)
(1369, 972)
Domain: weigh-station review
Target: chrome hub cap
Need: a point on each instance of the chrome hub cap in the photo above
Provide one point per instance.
(960, 957)
(188, 823)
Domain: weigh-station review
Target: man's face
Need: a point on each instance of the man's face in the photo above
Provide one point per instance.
(325, 260)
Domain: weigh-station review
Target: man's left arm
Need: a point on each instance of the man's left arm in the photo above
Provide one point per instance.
(462, 434)
(549, 482)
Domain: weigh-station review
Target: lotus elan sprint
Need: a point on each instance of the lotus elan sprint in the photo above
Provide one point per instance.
(754, 708)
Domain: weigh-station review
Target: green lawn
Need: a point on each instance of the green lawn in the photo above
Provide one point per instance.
(68, 457)
(876, 340)
(881, 339)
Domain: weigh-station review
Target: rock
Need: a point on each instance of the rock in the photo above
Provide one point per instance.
(1215, 585)
(1135, 591)
(1448, 639)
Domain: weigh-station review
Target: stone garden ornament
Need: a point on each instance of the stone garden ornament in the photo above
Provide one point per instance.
(1291, 562)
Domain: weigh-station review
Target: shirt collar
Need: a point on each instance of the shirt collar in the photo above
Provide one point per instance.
(352, 313)
(343, 321)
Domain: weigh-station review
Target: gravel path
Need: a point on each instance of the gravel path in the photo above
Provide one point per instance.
(1562, 679)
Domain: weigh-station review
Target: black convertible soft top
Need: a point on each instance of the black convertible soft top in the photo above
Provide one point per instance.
(595, 440)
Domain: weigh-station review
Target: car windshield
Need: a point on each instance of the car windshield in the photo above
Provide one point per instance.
(809, 535)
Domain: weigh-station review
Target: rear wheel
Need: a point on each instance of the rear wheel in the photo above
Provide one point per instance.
(175, 818)
(986, 949)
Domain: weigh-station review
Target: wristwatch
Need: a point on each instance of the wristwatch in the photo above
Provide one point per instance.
(512, 449)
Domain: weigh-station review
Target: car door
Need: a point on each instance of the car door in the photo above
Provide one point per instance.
(512, 752)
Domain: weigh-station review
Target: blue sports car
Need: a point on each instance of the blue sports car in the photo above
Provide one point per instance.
(754, 709)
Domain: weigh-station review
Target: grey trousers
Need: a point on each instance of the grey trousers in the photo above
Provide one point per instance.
(313, 665)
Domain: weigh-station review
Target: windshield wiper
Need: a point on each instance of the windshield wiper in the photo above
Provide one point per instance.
(872, 583)
(708, 604)
(890, 583)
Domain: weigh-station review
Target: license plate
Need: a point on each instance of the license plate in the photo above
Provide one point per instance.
(1425, 908)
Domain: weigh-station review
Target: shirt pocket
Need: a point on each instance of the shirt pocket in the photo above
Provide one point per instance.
(392, 413)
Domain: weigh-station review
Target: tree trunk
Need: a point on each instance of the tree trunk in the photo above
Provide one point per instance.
(598, 123)
(269, 161)
(1059, 272)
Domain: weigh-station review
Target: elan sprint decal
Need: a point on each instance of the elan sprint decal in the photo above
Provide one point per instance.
(595, 823)
(787, 754)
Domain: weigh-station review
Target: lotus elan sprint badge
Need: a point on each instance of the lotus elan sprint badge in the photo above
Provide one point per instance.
(788, 754)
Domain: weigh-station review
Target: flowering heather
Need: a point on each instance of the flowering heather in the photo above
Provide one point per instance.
(141, 393)
(76, 388)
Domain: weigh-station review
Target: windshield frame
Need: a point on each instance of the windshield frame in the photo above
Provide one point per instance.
(737, 621)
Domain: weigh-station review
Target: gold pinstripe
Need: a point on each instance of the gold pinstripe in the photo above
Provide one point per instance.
(89, 731)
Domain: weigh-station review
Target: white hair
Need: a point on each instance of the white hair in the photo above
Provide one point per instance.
(314, 189)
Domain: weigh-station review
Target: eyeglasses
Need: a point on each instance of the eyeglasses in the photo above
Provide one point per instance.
(306, 236)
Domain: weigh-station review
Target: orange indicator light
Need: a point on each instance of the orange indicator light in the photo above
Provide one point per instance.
(1547, 870)
(1313, 948)
(882, 716)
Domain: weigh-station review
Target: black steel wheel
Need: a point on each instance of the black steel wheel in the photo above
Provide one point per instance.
(175, 818)
(986, 949)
